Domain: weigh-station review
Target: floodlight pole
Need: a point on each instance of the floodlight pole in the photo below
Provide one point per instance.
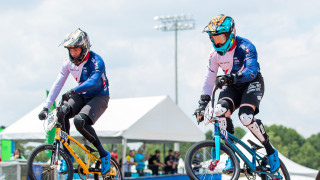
(172, 23)
(176, 60)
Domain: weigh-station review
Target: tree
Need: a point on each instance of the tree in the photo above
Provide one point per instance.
(209, 135)
(239, 132)
(292, 145)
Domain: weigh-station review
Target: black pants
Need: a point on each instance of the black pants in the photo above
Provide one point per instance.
(154, 169)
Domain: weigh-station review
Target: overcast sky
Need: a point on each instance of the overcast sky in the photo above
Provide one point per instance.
(140, 60)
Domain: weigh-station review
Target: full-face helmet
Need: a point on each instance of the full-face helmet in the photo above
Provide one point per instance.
(78, 38)
(222, 33)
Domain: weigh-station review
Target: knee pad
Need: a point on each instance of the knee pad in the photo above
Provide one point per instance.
(246, 114)
(222, 107)
(226, 124)
(80, 121)
(257, 128)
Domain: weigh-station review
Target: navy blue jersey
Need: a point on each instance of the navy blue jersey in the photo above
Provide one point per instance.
(90, 75)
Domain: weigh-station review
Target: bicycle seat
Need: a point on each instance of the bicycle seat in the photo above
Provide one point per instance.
(90, 148)
(254, 144)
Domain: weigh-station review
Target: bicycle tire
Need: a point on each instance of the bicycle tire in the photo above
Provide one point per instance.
(283, 171)
(225, 151)
(39, 153)
(115, 165)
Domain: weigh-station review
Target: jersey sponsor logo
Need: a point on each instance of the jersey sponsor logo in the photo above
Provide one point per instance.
(255, 86)
(84, 70)
(226, 62)
(236, 60)
(72, 69)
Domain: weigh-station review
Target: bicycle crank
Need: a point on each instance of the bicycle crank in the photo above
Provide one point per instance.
(82, 175)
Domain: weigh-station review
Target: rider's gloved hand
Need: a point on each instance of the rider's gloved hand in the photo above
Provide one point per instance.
(66, 96)
(227, 79)
(203, 102)
(43, 114)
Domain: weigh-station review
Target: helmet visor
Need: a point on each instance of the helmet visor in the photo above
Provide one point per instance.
(219, 40)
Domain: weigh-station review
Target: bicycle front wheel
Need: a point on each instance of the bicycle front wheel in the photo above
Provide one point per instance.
(41, 164)
(115, 166)
(200, 162)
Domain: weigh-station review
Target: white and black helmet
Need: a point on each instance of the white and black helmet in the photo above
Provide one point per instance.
(78, 38)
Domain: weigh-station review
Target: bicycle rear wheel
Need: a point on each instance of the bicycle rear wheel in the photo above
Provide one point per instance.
(115, 166)
(41, 166)
(206, 151)
(283, 172)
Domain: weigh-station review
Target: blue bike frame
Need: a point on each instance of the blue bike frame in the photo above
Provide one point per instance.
(230, 141)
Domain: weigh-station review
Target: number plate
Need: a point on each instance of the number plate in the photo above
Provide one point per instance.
(64, 135)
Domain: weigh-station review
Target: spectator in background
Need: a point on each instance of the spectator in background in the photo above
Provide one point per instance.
(17, 155)
(176, 162)
(140, 159)
(196, 163)
(128, 163)
(154, 163)
(169, 163)
(114, 154)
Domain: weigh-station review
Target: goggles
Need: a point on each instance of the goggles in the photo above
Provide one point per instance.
(219, 40)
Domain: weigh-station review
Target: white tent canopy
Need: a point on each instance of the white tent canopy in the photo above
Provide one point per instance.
(296, 171)
(147, 119)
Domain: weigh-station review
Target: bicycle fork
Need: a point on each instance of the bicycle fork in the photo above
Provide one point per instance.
(56, 153)
(215, 151)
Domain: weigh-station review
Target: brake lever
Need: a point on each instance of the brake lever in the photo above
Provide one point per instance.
(199, 117)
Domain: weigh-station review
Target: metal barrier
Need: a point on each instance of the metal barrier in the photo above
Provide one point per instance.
(13, 170)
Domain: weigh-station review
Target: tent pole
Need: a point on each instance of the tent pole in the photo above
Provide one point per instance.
(164, 153)
(124, 148)
(176, 146)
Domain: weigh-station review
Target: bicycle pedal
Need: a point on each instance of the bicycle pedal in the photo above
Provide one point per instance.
(109, 178)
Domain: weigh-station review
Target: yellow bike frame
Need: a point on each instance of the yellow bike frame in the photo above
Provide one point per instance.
(91, 157)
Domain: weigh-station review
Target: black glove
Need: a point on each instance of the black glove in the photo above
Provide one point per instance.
(43, 114)
(66, 96)
(203, 102)
(227, 79)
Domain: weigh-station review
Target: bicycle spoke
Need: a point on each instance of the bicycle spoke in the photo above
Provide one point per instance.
(41, 166)
(202, 163)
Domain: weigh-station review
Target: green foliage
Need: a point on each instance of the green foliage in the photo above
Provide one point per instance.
(292, 145)
(209, 135)
(239, 132)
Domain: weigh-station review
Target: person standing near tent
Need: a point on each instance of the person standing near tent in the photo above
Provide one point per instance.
(196, 163)
(17, 155)
(85, 102)
(242, 85)
(176, 162)
(169, 161)
(114, 154)
(140, 158)
(128, 163)
(154, 163)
